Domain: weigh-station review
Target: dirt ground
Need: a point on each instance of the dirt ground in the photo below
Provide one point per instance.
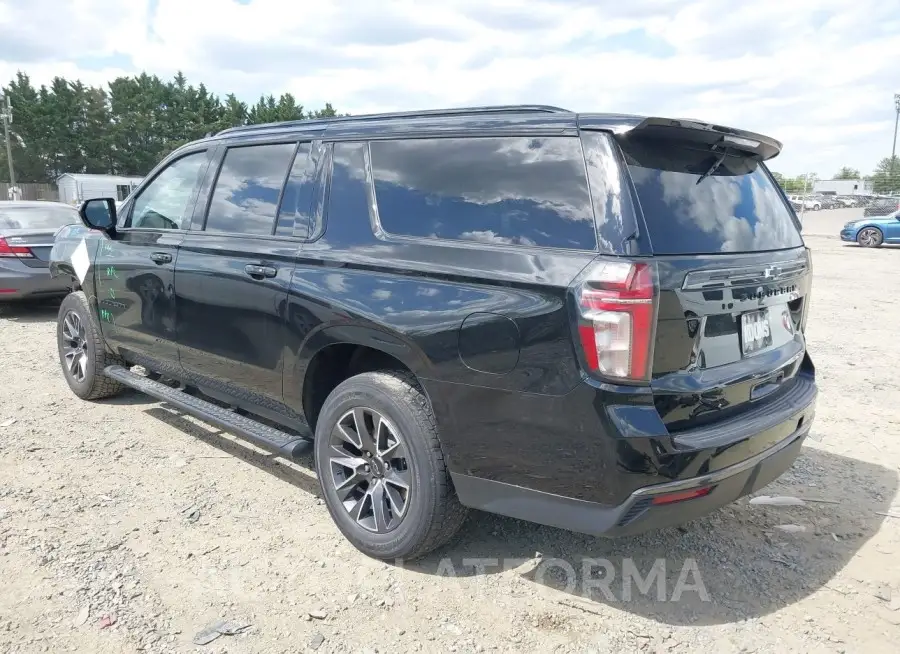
(125, 527)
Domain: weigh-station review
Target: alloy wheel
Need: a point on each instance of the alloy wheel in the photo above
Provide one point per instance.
(370, 469)
(75, 346)
(868, 237)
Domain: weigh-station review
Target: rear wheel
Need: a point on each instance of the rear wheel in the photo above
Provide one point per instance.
(82, 353)
(870, 237)
(381, 467)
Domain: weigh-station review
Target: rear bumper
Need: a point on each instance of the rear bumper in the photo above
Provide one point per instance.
(603, 481)
(19, 282)
(638, 513)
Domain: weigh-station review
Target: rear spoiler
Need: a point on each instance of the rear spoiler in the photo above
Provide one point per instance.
(696, 131)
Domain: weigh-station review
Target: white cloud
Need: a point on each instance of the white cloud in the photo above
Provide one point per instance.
(817, 74)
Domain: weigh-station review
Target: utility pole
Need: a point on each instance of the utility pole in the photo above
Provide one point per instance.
(6, 115)
(894, 149)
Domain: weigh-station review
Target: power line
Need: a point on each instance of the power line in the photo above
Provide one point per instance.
(6, 115)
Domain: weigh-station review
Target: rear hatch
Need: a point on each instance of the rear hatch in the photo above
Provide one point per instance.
(733, 274)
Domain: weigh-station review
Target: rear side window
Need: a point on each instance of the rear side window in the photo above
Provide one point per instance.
(294, 215)
(512, 191)
(736, 208)
(245, 198)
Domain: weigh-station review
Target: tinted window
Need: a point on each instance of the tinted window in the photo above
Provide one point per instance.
(296, 202)
(516, 191)
(735, 209)
(49, 217)
(245, 197)
(613, 205)
(348, 199)
(166, 201)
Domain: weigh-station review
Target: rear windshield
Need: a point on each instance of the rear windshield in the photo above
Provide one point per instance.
(37, 217)
(737, 208)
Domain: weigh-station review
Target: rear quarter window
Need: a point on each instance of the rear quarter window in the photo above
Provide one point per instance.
(738, 208)
(506, 191)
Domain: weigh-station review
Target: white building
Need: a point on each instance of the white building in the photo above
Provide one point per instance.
(843, 186)
(75, 188)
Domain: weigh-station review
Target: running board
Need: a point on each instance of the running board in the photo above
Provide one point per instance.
(271, 439)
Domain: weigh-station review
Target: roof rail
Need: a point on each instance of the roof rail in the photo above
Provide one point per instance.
(432, 113)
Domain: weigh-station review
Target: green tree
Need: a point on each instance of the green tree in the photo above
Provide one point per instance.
(847, 173)
(126, 128)
(28, 131)
(795, 184)
(886, 178)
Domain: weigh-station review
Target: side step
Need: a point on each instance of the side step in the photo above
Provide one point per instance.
(271, 439)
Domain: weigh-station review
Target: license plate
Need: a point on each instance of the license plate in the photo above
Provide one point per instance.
(755, 331)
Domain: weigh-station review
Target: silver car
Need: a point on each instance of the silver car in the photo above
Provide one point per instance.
(27, 230)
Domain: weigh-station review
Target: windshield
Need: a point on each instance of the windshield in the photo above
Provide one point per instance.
(736, 208)
(36, 217)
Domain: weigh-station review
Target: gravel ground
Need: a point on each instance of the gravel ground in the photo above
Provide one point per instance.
(127, 527)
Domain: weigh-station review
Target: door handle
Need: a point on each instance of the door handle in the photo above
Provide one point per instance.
(258, 272)
(161, 257)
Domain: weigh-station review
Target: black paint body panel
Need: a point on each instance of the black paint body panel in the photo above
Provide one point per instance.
(487, 330)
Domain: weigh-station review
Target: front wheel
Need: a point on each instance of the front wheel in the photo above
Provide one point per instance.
(82, 353)
(381, 468)
(870, 237)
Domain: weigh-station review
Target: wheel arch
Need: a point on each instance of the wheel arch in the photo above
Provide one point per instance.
(336, 353)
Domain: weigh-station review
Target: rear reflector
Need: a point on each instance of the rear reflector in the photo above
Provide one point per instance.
(681, 496)
(616, 314)
(7, 250)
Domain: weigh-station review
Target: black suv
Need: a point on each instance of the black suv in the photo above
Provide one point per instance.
(589, 321)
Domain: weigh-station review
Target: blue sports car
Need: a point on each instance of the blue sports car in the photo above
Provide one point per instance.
(873, 231)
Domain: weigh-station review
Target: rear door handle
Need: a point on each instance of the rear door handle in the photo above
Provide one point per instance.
(161, 257)
(258, 272)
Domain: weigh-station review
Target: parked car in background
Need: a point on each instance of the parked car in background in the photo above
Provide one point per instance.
(809, 202)
(26, 238)
(501, 308)
(846, 201)
(873, 231)
(825, 201)
(882, 206)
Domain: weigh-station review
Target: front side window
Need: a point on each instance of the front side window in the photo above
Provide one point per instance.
(166, 202)
(509, 191)
(245, 198)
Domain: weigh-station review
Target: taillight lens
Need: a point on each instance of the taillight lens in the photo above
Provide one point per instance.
(7, 250)
(616, 314)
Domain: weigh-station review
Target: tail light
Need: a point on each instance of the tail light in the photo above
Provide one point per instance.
(616, 316)
(7, 250)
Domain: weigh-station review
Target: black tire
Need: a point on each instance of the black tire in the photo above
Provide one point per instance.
(433, 513)
(870, 237)
(93, 385)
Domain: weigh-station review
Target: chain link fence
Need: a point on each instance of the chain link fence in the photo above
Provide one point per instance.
(877, 194)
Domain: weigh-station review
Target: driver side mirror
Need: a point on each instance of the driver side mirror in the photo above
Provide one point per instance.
(99, 213)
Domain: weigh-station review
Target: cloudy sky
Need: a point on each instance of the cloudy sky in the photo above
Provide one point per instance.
(817, 74)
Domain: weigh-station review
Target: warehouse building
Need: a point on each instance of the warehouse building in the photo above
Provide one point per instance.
(75, 188)
(843, 186)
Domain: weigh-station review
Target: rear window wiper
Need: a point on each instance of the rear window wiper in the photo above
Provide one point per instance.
(712, 169)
